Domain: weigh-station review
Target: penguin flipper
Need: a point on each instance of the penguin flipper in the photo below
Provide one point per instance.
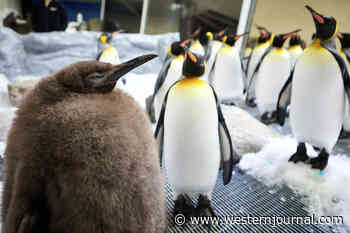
(343, 69)
(211, 72)
(248, 63)
(159, 133)
(99, 56)
(228, 155)
(284, 99)
(208, 54)
(268, 50)
(244, 76)
(161, 78)
(250, 92)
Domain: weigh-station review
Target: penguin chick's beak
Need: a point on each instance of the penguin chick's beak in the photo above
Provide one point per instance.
(119, 70)
(315, 15)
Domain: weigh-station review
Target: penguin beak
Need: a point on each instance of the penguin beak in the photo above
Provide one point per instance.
(196, 33)
(340, 36)
(317, 17)
(221, 33)
(185, 43)
(119, 70)
(239, 36)
(287, 35)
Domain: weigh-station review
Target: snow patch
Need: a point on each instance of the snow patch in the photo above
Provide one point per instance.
(326, 193)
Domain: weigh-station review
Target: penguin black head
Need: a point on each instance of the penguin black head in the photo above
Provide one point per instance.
(265, 35)
(231, 40)
(177, 48)
(96, 77)
(193, 65)
(220, 35)
(106, 37)
(197, 34)
(326, 26)
(279, 39)
(295, 40)
(344, 39)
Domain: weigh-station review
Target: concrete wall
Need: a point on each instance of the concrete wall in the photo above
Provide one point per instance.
(15, 4)
(281, 16)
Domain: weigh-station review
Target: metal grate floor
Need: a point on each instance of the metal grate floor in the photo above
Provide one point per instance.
(246, 196)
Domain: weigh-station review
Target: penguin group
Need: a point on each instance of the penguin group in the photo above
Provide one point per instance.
(80, 151)
(310, 84)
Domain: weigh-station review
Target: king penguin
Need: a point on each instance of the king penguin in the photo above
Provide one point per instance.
(108, 53)
(228, 74)
(320, 84)
(264, 42)
(295, 48)
(271, 73)
(193, 138)
(214, 45)
(81, 157)
(344, 51)
(196, 45)
(168, 75)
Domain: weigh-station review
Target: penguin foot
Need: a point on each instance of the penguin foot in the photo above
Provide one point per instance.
(300, 155)
(184, 206)
(204, 209)
(344, 134)
(250, 102)
(321, 161)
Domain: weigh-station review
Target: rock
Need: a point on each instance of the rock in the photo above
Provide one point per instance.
(17, 91)
(248, 134)
(150, 109)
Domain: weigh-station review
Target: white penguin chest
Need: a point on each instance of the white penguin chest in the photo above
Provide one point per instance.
(110, 55)
(255, 58)
(227, 79)
(173, 75)
(295, 52)
(317, 104)
(191, 142)
(274, 72)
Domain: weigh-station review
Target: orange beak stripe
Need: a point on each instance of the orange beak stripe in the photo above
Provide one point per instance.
(221, 33)
(263, 32)
(318, 18)
(340, 36)
(286, 36)
(192, 57)
(197, 31)
(184, 43)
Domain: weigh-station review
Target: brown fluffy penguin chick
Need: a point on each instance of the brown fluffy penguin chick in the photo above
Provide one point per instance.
(81, 158)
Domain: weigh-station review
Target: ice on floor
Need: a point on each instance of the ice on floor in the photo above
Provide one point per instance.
(326, 193)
